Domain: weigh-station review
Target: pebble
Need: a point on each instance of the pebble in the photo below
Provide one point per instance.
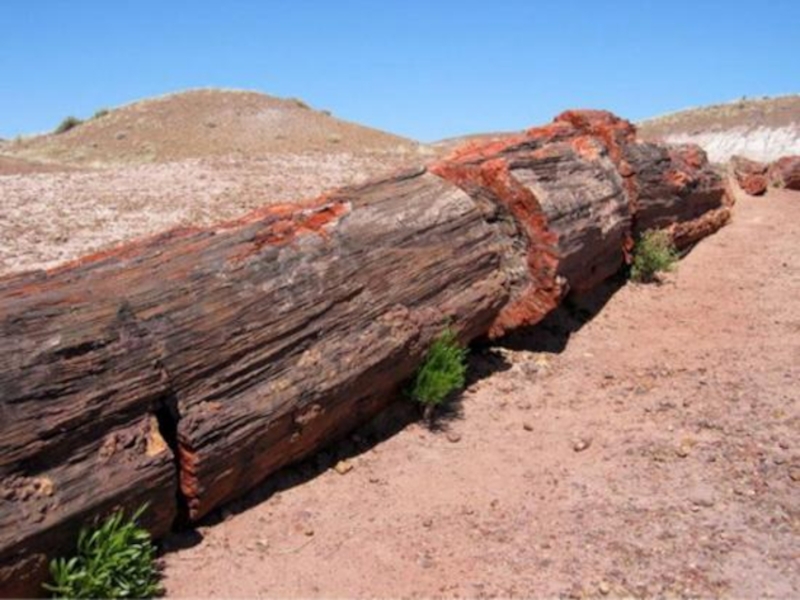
(343, 466)
(581, 444)
(702, 496)
(453, 437)
(427, 523)
(682, 451)
(604, 588)
(527, 426)
(308, 532)
(794, 473)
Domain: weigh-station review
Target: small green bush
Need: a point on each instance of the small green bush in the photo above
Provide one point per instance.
(114, 560)
(654, 253)
(442, 372)
(67, 124)
(100, 113)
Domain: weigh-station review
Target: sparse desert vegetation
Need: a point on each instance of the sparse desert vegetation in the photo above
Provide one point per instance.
(442, 373)
(67, 124)
(114, 559)
(653, 253)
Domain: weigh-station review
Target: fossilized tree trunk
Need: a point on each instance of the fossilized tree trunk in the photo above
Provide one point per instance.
(185, 368)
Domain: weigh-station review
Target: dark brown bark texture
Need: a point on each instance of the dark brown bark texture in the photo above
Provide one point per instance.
(183, 369)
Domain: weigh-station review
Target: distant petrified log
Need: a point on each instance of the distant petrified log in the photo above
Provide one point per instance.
(750, 175)
(785, 172)
(183, 369)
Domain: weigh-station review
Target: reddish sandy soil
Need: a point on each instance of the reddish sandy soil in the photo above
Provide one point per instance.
(651, 450)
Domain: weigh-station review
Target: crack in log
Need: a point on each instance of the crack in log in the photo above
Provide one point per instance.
(168, 416)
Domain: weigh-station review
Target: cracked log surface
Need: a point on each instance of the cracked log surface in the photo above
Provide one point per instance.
(580, 190)
(184, 368)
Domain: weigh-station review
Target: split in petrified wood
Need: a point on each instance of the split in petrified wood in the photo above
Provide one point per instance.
(183, 369)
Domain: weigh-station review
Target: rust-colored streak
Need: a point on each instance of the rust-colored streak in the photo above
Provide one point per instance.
(127, 250)
(284, 226)
(542, 292)
(187, 477)
(612, 130)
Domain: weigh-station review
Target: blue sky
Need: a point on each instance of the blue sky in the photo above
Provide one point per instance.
(426, 70)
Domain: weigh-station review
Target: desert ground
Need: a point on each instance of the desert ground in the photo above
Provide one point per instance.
(644, 442)
(195, 158)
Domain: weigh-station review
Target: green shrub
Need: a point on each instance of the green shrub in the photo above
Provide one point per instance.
(114, 560)
(653, 253)
(67, 124)
(442, 372)
(100, 113)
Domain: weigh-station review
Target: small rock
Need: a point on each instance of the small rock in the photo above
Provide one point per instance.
(343, 466)
(783, 444)
(527, 426)
(308, 532)
(507, 387)
(524, 405)
(604, 588)
(682, 451)
(581, 444)
(427, 523)
(702, 496)
(794, 473)
(453, 437)
(426, 561)
(778, 460)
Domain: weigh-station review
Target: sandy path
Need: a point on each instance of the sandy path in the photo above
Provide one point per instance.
(687, 395)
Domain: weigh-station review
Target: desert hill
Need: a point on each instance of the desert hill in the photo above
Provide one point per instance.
(761, 129)
(191, 158)
(205, 123)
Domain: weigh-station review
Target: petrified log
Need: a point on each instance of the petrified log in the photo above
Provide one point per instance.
(205, 359)
(311, 337)
(750, 175)
(785, 172)
(80, 387)
(579, 190)
(254, 342)
(675, 188)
